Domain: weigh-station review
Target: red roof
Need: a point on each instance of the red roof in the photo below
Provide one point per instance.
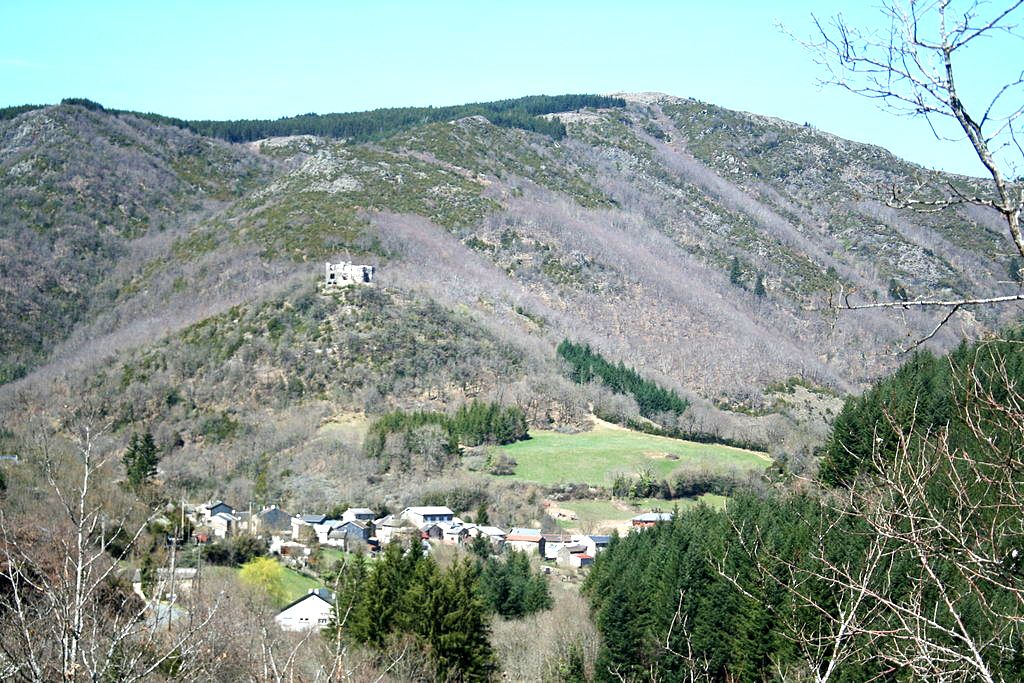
(584, 556)
(523, 537)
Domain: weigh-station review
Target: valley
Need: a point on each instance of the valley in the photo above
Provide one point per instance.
(610, 326)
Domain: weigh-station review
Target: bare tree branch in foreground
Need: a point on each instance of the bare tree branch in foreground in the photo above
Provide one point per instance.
(912, 67)
(937, 589)
(67, 613)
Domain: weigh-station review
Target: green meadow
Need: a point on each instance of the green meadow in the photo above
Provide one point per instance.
(595, 457)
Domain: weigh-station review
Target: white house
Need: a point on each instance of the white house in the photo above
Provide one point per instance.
(324, 529)
(555, 542)
(592, 544)
(358, 514)
(579, 560)
(223, 524)
(528, 540)
(347, 534)
(390, 528)
(207, 510)
(300, 521)
(454, 534)
(600, 543)
(418, 516)
(492, 533)
(312, 610)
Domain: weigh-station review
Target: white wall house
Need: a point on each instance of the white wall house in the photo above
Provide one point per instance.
(390, 528)
(300, 521)
(418, 516)
(358, 514)
(312, 610)
(528, 540)
(223, 524)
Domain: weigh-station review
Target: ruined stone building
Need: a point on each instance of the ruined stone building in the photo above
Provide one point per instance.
(344, 274)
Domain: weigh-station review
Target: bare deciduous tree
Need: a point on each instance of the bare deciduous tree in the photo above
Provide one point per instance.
(67, 613)
(913, 66)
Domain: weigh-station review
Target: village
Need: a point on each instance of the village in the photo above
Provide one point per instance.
(296, 538)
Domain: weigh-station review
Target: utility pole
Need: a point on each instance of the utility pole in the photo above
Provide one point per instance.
(170, 604)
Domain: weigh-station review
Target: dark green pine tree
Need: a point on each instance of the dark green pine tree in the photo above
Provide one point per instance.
(140, 461)
(379, 612)
(510, 587)
(348, 581)
(623, 631)
(452, 623)
(482, 518)
(147, 574)
(480, 546)
(1015, 272)
(736, 272)
(759, 290)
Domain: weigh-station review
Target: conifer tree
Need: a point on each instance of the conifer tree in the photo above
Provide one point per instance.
(453, 625)
(736, 272)
(482, 518)
(140, 461)
(1015, 272)
(378, 614)
(348, 581)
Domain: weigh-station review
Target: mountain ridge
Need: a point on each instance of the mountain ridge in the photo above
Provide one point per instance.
(642, 232)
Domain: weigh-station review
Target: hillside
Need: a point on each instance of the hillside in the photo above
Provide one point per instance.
(172, 276)
(85, 196)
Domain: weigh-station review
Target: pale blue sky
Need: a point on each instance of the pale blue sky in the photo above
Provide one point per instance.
(256, 59)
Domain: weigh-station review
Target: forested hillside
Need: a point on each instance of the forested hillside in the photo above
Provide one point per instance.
(82, 193)
(171, 277)
(909, 568)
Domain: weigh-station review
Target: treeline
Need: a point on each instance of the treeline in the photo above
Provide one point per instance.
(479, 423)
(926, 394)
(690, 434)
(407, 427)
(405, 594)
(744, 594)
(473, 424)
(585, 365)
(525, 113)
(686, 483)
(7, 113)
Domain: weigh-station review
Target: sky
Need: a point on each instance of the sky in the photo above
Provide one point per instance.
(255, 59)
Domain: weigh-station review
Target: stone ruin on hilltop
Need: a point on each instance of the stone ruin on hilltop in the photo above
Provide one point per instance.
(345, 273)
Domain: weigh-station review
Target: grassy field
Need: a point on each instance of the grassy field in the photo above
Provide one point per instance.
(326, 557)
(595, 457)
(599, 513)
(296, 585)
